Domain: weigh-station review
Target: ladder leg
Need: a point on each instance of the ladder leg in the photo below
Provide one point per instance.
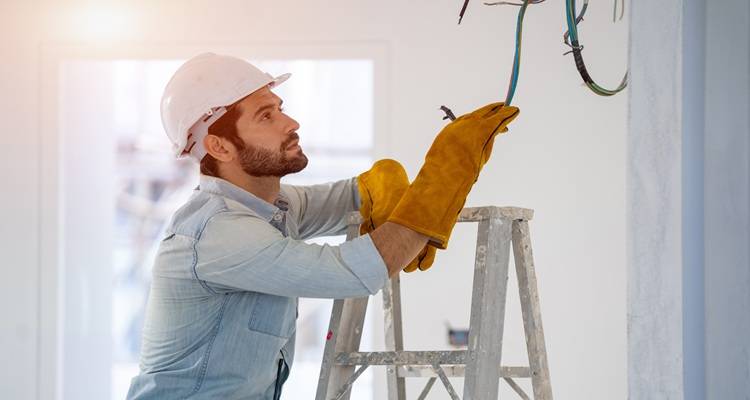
(482, 376)
(394, 337)
(344, 335)
(328, 353)
(531, 311)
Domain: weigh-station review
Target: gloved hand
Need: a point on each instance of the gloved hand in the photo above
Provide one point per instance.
(432, 203)
(380, 189)
(424, 259)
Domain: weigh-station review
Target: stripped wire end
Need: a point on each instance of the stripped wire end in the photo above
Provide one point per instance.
(573, 48)
(448, 113)
(463, 11)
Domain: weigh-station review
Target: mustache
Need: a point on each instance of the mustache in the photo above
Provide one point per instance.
(294, 136)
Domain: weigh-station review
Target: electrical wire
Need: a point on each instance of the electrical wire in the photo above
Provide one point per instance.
(622, 11)
(517, 56)
(579, 18)
(463, 10)
(577, 48)
(570, 37)
(510, 3)
(513, 82)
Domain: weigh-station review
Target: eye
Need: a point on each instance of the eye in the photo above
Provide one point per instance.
(265, 116)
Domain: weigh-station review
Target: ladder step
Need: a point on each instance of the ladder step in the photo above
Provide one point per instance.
(426, 371)
(419, 363)
(401, 357)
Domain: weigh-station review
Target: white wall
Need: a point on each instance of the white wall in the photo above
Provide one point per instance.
(564, 156)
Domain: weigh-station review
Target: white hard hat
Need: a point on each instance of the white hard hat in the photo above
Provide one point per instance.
(198, 93)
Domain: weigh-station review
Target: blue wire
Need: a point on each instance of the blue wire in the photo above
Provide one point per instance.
(517, 55)
(570, 8)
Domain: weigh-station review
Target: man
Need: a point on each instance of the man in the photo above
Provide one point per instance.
(221, 315)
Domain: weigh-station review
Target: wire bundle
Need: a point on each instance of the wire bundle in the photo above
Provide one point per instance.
(572, 34)
(577, 48)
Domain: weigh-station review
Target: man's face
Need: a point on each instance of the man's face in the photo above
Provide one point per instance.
(270, 136)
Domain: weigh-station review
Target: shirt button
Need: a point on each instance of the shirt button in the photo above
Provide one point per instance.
(277, 217)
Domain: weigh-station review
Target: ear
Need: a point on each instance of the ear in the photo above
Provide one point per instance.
(220, 148)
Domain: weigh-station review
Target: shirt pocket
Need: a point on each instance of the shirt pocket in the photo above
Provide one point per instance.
(274, 315)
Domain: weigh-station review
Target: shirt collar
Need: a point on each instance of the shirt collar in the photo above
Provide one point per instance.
(226, 189)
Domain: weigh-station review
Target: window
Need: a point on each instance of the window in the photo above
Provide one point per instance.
(117, 159)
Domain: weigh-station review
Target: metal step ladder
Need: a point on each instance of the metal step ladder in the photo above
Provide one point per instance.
(479, 364)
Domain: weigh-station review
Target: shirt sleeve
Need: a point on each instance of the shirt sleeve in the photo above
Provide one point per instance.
(321, 209)
(244, 252)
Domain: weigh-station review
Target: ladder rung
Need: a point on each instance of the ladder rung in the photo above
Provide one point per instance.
(426, 371)
(419, 363)
(401, 357)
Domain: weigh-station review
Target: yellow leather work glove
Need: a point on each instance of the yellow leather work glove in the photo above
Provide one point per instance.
(433, 201)
(380, 189)
(424, 259)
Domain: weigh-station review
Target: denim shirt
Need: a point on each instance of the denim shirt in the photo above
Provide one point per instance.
(221, 315)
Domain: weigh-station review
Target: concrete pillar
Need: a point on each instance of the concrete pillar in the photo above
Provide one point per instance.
(654, 201)
(688, 200)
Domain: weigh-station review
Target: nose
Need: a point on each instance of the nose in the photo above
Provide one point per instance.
(293, 124)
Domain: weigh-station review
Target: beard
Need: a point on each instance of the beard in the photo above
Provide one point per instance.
(257, 161)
